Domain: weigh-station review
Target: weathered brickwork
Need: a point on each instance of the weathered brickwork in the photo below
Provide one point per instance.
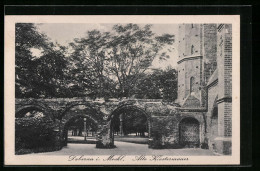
(209, 50)
(228, 61)
(189, 68)
(228, 119)
(189, 40)
(225, 60)
(214, 46)
(196, 40)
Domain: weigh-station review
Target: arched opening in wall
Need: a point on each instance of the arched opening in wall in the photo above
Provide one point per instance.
(80, 124)
(34, 130)
(30, 112)
(192, 49)
(80, 129)
(189, 132)
(130, 124)
(192, 82)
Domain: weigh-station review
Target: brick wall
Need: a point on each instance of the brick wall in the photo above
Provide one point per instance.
(228, 60)
(189, 35)
(187, 69)
(228, 119)
(225, 78)
(224, 60)
(203, 39)
(209, 49)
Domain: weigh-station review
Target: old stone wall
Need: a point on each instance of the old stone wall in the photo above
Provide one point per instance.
(209, 50)
(189, 40)
(164, 115)
(189, 68)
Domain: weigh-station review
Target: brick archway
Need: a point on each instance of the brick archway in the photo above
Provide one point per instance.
(126, 109)
(77, 110)
(68, 123)
(106, 137)
(189, 132)
(87, 106)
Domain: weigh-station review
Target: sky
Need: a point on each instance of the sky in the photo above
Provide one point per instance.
(64, 33)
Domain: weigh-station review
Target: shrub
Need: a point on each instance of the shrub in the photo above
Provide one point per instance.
(34, 134)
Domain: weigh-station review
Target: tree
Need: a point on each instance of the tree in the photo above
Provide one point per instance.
(26, 38)
(167, 82)
(134, 122)
(88, 62)
(101, 64)
(132, 50)
(147, 87)
(41, 75)
(160, 84)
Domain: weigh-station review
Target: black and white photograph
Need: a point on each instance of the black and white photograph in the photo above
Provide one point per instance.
(140, 90)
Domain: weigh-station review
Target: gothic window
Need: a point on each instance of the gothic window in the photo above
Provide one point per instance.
(191, 25)
(192, 82)
(192, 49)
(215, 112)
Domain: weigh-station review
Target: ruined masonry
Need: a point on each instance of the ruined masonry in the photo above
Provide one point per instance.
(201, 115)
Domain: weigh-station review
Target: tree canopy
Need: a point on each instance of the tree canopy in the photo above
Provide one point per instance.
(101, 64)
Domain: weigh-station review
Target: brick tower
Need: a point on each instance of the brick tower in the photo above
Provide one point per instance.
(197, 48)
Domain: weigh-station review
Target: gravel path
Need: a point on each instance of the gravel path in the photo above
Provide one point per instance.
(124, 148)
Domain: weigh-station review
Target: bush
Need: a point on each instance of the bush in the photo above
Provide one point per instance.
(34, 134)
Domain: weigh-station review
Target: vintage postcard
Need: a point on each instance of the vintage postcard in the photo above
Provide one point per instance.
(122, 90)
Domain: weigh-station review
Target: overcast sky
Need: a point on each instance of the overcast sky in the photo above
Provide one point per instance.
(65, 33)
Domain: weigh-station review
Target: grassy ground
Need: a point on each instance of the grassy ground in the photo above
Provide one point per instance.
(92, 140)
(130, 139)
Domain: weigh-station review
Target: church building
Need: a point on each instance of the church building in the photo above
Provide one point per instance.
(205, 85)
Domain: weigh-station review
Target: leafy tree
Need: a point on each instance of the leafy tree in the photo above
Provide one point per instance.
(26, 38)
(160, 84)
(132, 50)
(101, 64)
(167, 82)
(88, 63)
(134, 122)
(147, 87)
(41, 75)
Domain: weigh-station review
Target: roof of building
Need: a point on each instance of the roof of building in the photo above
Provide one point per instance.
(213, 77)
(191, 102)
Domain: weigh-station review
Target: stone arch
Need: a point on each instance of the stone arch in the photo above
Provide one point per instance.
(20, 112)
(189, 132)
(68, 122)
(88, 111)
(128, 106)
(90, 108)
(119, 110)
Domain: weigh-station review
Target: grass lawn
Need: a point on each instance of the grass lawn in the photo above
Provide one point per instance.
(132, 139)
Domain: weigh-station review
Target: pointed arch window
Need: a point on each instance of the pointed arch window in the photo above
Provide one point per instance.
(192, 82)
(192, 49)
